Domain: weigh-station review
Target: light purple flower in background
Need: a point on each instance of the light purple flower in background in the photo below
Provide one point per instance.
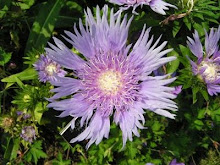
(48, 69)
(113, 80)
(158, 6)
(19, 113)
(207, 67)
(28, 133)
(177, 90)
(26, 116)
(174, 162)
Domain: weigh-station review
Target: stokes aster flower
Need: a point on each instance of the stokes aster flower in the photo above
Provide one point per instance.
(157, 6)
(48, 69)
(28, 133)
(111, 79)
(207, 67)
(174, 162)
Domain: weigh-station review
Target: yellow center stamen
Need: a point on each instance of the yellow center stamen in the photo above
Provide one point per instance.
(50, 69)
(110, 82)
(210, 71)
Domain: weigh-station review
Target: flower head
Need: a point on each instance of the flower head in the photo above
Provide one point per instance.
(158, 6)
(113, 80)
(177, 90)
(28, 133)
(19, 113)
(26, 116)
(207, 67)
(7, 122)
(48, 69)
(174, 162)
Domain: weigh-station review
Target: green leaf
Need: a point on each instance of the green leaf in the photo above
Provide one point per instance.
(38, 111)
(25, 4)
(35, 152)
(173, 65)
(205, 95)
(43, 26)
(60, 161)
(215, 115)
(209, 13)
(187, 23)
(74, 6)
(199, 28)
(201, 113)
(16, 145)
(28, 74)
(185, 52)
(156, 126)
(8, 148)
(198, 15)
(65, 21)
(4, 57)
(176, 28)
(4, 6)
(12, 148)
(195, 91)
(198, 124)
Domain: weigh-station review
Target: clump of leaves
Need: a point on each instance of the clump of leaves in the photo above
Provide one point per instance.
(213, 158)
(35, 152)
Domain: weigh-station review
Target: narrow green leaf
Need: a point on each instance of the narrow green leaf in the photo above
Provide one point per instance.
(187, 23)
(199, 28)
(25, 4)
(176, 28)
(205, 95)
(15, 148)
(198, 124)
(173, 65)
(38, 111)
(195, 91)
(4, 6)
(28, 74)
(8, 150)
(43, 26)
(4, 57)
(201, 113)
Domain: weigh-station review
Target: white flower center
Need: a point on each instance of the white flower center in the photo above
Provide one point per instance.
(110, 82)
(50, 69)
(211, 71)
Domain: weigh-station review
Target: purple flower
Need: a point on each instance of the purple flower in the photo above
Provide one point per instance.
(207, 67)
(177, 90)
(28, 133)
(113, 80)
(157, 6)
(48, 69)
(19, 113)
(26, 116)
(173, 162)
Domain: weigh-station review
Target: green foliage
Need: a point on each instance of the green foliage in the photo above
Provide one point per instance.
(212, 158)
(60, 161)
(4, 57)
(43, 25)
(11, 149)
(28, 74)
(26, 28)
(35, 152)
(25, 4)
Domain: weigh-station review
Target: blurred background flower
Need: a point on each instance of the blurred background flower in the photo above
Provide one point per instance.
(207, 67)
(48, 69)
